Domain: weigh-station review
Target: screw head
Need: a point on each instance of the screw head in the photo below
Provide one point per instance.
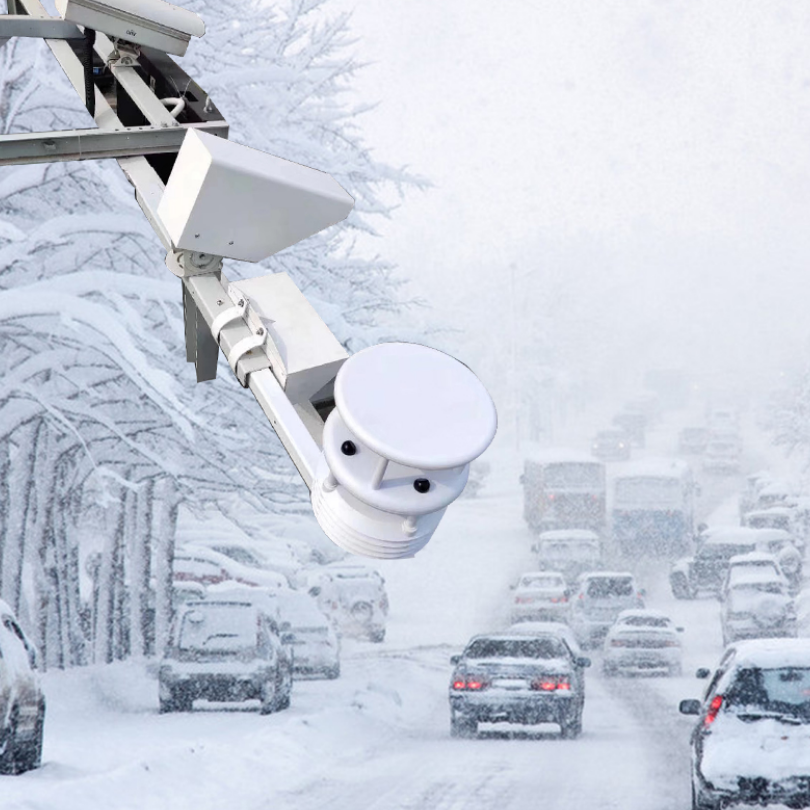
(348, 448)
(421, 485)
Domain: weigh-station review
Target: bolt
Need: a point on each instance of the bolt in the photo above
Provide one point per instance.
(241, 302)
(421, 485)
(219, 302)
(231, 242)
(196, 236)
(348, 448)
(260, 331)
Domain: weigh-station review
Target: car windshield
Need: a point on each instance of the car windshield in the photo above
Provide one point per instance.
(515, 648)
(607, 587)
(218, 628)
(722, 551)
(785, 690)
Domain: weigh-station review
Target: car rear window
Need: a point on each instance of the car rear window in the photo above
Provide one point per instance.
(604, 588)
(541, 581)
(515, 648)
(645, 621)
(218, 628)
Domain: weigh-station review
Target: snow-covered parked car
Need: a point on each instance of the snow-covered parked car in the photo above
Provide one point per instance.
(514, 678)
(539, 596)
(722, 456)
(316, 647)
(569, 551)
(757, 605)
(201, 564)
(643, 641)
(22, 704)
(751, 744)
(225, 650)
(353, 596)
(598, 600)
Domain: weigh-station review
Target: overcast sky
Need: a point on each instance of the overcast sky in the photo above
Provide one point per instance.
(663, 144)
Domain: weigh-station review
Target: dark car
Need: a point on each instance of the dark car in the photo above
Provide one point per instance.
(706, 570)
(693, 440)
(751, 744)
(513, 678)
(22, 704)
(224, 650)
(611, 445)
(634, 423)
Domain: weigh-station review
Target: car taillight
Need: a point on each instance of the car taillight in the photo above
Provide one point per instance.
(524, 600)
(558, 599)
(551, 685)
(672, 643)
(714, 708)
(617, 642)
(473, 684)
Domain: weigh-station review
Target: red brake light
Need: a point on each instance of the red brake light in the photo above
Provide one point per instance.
(459, 684)
(714, 708)
(551, 685)
(475, 685)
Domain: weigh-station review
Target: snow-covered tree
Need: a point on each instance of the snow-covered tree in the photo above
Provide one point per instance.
(96, 423)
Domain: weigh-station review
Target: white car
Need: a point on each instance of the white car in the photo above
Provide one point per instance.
(757, 605)
(751, 744)
(570, 551)
(353, 596)
(316, 647)
(598, 600)
(743, 564)
(198, 563)
(643, 641)
(540, 596)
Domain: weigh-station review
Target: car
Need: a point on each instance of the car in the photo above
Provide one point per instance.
(569, 551)
(540, 595)
(634, 424)
(22, 703)
(705, 571)
(315, 643)
(225, 650)
(693, 440)
(722, 456)
(755, 561)
(757, 605)
(611, 445)
(774, 517)
(507, 677)
(597, 601)
(202, 564)
(354, 597)
(642, 641)
(751, 743)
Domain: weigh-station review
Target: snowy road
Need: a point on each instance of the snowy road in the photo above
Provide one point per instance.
(378, 737)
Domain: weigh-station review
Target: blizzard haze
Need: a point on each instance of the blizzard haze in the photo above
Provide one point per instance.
(645, 162)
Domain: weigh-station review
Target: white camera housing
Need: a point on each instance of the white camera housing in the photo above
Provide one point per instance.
(226, 199)
(397, 447)
(153, 23)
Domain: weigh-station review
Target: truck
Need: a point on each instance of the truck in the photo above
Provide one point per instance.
(564, 489)
(653, 508)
